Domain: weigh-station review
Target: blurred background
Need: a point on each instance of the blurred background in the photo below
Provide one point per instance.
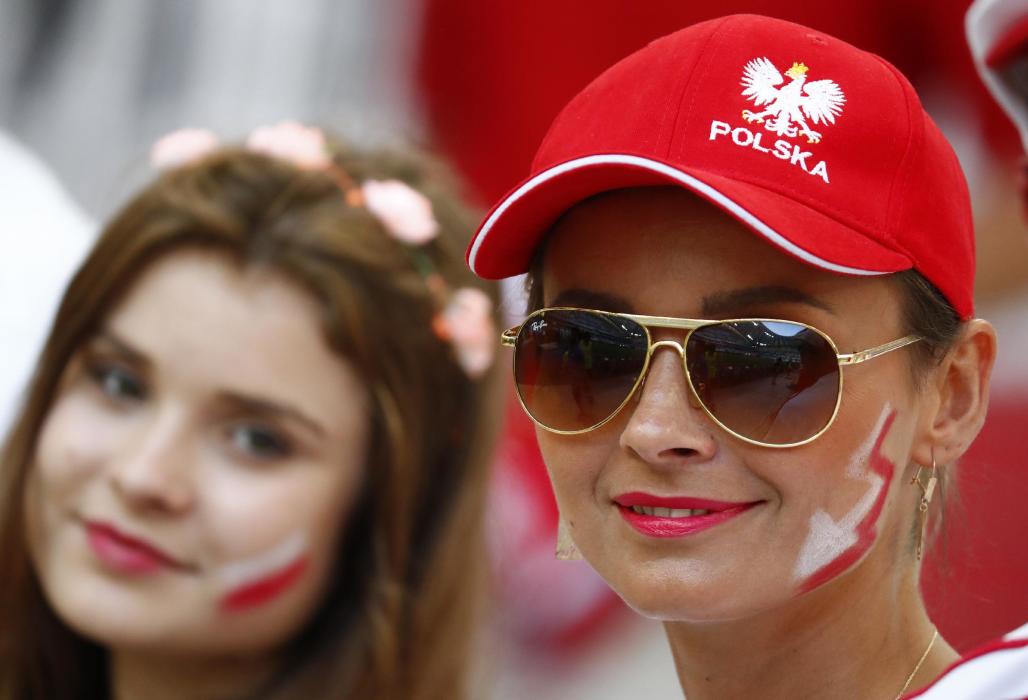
(86, 86)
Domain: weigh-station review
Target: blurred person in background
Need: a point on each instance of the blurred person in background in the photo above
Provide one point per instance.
(253, 457)
(719, 474)
(44, 235)
(997, 32)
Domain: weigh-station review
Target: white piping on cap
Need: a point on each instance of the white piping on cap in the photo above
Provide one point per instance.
(687, 180)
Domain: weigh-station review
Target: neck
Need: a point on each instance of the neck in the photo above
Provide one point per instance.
(146, 676)
(843, 640)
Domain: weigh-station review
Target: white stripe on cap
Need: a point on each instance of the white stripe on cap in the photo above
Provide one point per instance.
(687, 180)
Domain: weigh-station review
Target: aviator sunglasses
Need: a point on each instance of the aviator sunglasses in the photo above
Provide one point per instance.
(769, 382)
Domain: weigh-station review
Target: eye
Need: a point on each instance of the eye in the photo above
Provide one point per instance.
(117, 383)
(260, 441)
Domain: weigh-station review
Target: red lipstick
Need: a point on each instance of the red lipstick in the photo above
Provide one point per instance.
(676, 516)
(126, 554)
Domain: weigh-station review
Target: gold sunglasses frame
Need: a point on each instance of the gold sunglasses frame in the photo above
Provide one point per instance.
(509, 339)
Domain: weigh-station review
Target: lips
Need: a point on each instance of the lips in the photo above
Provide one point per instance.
(662, 516)
(126, 554)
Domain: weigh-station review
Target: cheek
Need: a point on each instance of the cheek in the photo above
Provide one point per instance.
(837, 541)
(289, 542)
(574, 463)
(264, 577)
(74, 444)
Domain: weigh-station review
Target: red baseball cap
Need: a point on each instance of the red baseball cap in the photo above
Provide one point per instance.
(821, 148)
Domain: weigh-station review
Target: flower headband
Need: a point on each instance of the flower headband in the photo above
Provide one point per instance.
(464, 316)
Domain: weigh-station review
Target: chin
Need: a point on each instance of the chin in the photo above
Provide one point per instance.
(131, 628)
(115, 617)
(103, 616)
(691, 592)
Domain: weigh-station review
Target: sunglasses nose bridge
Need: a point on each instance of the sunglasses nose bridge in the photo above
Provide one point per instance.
(680, 349)
(676, 346)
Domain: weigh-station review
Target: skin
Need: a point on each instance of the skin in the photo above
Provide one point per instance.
(731, 592)
(209, 418)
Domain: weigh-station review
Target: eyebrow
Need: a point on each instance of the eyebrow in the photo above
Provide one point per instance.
(264, 407)
(246, 403)
(122, 347)
(742, 299)
(589, 299)
(721, 303)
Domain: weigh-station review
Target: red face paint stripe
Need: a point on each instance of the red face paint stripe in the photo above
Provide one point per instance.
(883, 466)
(265, 589)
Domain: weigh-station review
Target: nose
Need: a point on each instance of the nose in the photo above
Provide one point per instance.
(151, 473)
(667, 427)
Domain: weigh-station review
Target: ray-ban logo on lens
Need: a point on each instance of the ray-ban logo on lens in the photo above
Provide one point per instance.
(787, 110)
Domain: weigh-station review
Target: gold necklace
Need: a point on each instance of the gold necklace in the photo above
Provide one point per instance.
(935, 635)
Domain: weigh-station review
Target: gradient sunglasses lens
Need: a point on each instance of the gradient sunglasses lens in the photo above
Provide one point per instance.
(574, 369)
(773, 382)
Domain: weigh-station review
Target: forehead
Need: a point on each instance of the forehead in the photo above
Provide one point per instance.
(666, 251)
(210, 299)
(206, 323)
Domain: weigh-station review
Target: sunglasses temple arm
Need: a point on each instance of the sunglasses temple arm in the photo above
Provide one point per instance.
(855, 358)
(508, 337)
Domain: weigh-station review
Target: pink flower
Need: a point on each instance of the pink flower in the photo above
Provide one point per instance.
(291, 141)
(467, 322)
(405, 212)
(182, 147)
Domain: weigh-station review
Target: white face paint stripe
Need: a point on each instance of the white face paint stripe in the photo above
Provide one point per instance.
(242, 572)
(829, 538)
(687, 181)
(858, 462)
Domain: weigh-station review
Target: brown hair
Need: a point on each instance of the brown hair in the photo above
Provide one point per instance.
(927, 314)
(400, 621)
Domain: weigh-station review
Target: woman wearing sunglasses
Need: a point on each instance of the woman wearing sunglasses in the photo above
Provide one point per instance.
(751, 355)
(252, 460)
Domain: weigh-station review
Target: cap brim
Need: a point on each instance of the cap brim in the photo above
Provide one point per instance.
(504, 244)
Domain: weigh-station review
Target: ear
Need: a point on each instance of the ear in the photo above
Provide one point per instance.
(957, 396)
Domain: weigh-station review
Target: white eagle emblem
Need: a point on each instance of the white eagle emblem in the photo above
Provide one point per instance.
(820, 101)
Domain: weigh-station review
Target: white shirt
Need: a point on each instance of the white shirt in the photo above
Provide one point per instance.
(995, 671)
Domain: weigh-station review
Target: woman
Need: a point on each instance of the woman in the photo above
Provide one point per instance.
(718, 230)
(252, 460)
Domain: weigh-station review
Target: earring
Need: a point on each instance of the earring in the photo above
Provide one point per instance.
(566, 549)
(927, 490)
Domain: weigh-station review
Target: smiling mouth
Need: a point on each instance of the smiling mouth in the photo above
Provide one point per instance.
(670, 512)
(663, 517)
(126, 554)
